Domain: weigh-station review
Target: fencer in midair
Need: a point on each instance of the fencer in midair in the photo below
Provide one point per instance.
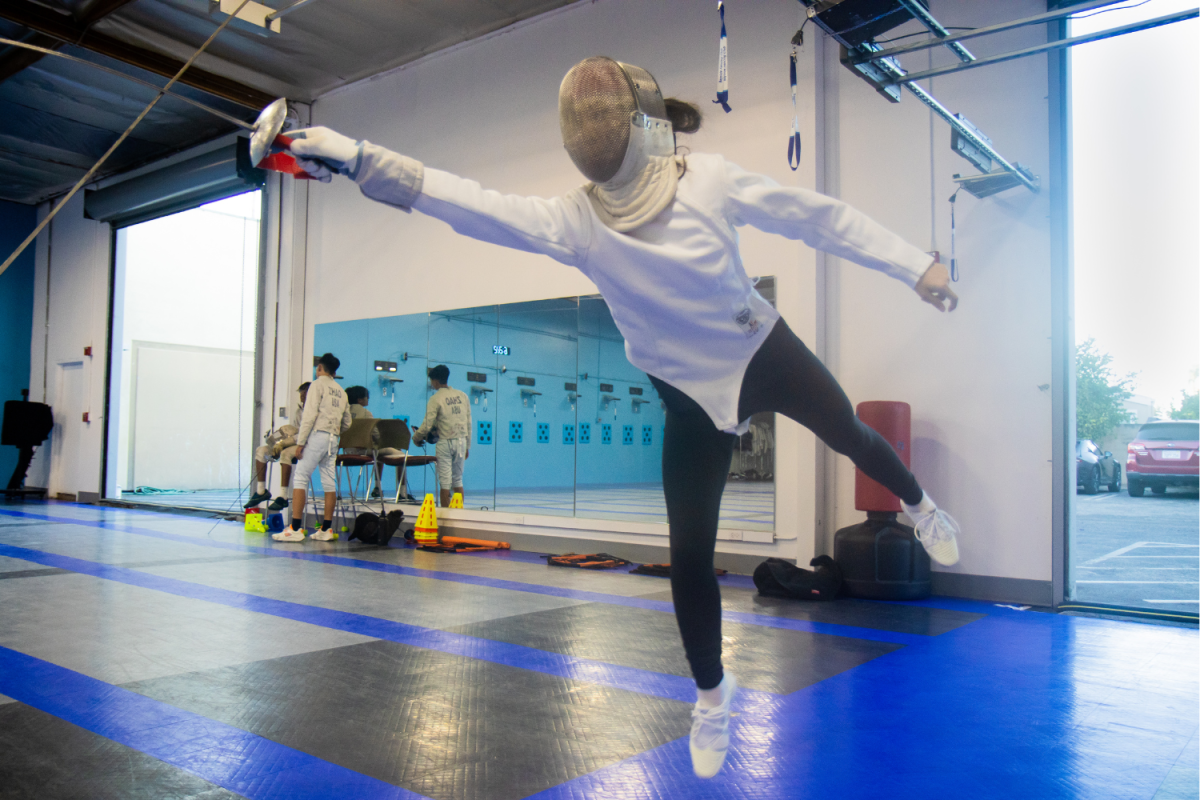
(656, 231)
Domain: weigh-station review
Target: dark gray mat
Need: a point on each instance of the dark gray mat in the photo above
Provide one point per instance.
(894, 617)
(34, 573)
(443, 726)
(769, 659)
(45, 758)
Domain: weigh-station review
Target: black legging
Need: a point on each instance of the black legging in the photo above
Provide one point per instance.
(785, 377)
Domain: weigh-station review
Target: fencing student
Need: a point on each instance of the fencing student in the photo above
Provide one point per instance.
(449, 413)
(656, 231)
(326, 415)
(281, 447)
(359, 397)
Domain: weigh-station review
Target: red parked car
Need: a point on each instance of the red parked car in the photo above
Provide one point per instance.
(1164, 454)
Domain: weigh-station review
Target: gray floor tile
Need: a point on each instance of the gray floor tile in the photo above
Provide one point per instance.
(47, 758)
(417, 601)
(770, 659)
(119, 633)
(447, 727)
(843, 611)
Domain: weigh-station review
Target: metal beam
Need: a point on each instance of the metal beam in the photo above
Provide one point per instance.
(1049, 46)
(286, 10)
(14, 62)
(99, 10)
(65, 29)
(925, 18)
(1036, 19)
(19, 58)
(45, 51)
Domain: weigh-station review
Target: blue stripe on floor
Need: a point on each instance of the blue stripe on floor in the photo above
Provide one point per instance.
(671, 687)
(762, 620)
(237, 760)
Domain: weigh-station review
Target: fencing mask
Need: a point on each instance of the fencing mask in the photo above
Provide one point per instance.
(616, 131)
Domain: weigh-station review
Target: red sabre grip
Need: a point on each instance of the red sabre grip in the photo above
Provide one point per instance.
(279, 160)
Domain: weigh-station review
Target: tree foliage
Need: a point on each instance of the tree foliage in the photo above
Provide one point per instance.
(1189, 407)
(1099, 396)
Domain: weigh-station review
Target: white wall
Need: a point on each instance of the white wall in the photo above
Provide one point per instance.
(487, 110)
(981, 424)
(71, 279)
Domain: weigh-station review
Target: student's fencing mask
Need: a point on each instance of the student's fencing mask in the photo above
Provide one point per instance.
(615, 128)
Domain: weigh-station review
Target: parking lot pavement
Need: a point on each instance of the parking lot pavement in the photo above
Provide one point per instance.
(1138, 551)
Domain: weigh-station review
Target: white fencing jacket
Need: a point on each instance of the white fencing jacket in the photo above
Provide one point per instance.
(325, 409)
(676, 286)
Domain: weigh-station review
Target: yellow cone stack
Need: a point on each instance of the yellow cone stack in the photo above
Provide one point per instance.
(456, 501)
(425, 531)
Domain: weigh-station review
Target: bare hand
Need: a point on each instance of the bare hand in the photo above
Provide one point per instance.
(934, 287)
(468, 454)
(299, 452)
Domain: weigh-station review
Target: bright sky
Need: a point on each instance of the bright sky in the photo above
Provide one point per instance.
(1136, 137)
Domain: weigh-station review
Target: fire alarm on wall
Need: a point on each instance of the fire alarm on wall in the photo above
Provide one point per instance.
(87, 351)
(85, 414)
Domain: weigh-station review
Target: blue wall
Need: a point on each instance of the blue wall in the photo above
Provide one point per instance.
(544, 440)
(16, 313)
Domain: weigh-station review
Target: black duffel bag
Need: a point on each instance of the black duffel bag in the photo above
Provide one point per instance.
(368, 528)
(778, 578)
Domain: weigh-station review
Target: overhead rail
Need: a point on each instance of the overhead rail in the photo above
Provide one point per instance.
(922, 15)
(1048, 46)
(855, 24)
(1048, 16)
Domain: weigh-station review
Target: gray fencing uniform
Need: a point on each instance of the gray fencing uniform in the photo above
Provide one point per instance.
(326, 415)
(449, 410)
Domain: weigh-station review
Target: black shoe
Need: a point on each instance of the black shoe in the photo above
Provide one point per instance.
(278, 504)
(376, 494)
(256, 498)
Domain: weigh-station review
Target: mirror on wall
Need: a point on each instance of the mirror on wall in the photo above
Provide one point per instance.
(561, 423)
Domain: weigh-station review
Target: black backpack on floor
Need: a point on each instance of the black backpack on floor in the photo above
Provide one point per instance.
(778, 578)
(369, 530)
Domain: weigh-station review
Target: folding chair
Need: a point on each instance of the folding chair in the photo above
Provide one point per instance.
(394, 434)
(359, 436)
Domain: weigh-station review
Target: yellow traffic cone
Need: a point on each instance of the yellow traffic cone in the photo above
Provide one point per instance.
(425, 531)
(456, 501)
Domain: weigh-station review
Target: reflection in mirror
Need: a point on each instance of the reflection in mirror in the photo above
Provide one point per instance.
(535, 455)
(561, 423)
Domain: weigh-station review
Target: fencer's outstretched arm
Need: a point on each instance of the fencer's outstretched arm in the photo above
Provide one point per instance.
(553, 227)
(834, 227)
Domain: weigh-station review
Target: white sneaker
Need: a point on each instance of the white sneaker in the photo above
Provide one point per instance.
(289, 535)
(710, 732)
(936, 531)
(325, 536)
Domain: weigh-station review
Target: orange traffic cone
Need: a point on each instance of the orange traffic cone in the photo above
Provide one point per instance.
(425, 531)
(456, 501)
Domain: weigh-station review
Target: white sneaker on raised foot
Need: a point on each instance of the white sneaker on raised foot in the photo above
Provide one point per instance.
(935, 529)
(709, 741)
(289, 535)
(325, 536)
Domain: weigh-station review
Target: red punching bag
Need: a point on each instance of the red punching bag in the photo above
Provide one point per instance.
(893, 421)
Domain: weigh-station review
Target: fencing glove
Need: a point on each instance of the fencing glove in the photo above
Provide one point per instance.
(321, 152)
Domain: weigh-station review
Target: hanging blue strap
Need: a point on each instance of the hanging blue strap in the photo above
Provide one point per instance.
(794, 139)
(723, 64)
(953, 244)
